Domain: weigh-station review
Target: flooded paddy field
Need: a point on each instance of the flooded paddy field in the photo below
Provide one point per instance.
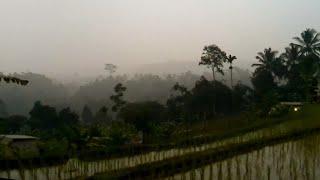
(291, 156)
(291, 160)
(75, 168)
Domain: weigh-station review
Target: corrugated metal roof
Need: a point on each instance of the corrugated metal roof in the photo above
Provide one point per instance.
(15, 136)
(292, 103)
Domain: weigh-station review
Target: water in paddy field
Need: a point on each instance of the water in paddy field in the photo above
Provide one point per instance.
(292, 160)
(75, 167)
(297, 160)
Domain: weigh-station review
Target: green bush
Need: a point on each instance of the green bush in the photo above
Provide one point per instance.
(2, 151)
(115, 133)
(279, 111)
(164, 130)
(121, 133)
(54, 148)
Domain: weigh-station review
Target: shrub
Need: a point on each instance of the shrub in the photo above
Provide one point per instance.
(142, 114)
(163, 130)
(54, 148)
(279, 111)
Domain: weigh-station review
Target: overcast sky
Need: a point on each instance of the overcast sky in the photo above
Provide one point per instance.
(63, 37)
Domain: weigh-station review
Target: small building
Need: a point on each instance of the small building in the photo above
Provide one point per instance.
(20, 145)
(295, 105)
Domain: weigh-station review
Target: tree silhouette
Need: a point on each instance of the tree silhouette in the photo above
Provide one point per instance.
(3, 109)
(309, 43)
(230, 60)
(111, 68)
(309, 60)
(43, 116)
(118, 97)
(102, 115)
(142, 114)
(87, 116)
(177, 103)
(295, 84)
(213, 57)
(9, 79)
(291, 56)
(268, 61)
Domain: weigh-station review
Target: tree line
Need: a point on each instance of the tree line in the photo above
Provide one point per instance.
(289, 76)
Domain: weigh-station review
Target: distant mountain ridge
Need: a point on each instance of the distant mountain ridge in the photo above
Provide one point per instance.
(179, 67)
(170, 67)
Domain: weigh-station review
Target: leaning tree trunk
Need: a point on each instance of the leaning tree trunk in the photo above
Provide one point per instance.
(231, 83)
(231, 78)
(213, 75)
(214, 88)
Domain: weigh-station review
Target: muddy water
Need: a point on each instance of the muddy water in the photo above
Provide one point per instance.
(295, 160)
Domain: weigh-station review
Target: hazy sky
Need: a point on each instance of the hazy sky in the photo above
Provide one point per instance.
(63, 37)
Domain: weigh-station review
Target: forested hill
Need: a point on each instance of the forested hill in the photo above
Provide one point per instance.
(141, 87)
(20, 99)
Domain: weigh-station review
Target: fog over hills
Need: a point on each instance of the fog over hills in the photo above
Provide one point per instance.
(170, 67)
(144, 82)
(158, 68)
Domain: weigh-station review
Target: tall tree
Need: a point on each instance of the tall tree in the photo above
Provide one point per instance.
(3, 109)
(270, 62)
(269, 69)
(68, 117)
(86, 115)
(291, 56)
(230, 60)
(266, 60)
(292, 62)
(110, 68)
(263, 81)
(309, 65)
(118, 97)
(142, 114)
(43, 116)
(102, 115)
(294, 88)
(177, 103)
(213, 57)
(309, 43)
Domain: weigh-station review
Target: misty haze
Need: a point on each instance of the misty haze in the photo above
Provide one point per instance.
(159, 89)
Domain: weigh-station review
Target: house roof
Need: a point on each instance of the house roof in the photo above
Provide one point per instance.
(17, 137)
(292, 103)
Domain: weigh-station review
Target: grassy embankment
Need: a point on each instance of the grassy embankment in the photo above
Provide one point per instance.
(214, 131)
(197, 134)
(292, 127)
(202, 133)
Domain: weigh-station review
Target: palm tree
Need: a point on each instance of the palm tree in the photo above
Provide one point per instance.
(309, 43)
(230, 60)
(309, 55)
(291, 56)
(268, 61)
(295, 83)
